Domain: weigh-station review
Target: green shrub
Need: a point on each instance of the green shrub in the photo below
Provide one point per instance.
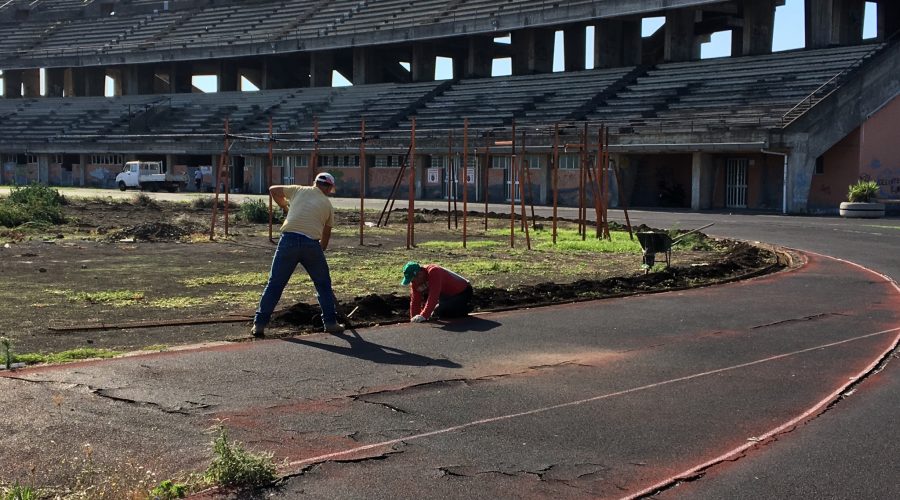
(234, 466)
(144, 200)
(257, 211)
(863, 191)
(18, 492)
(34, 203)
(167, 490)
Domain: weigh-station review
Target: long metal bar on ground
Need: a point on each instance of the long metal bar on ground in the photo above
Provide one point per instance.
(150, 324)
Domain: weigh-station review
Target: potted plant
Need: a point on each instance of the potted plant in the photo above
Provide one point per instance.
(861, 201)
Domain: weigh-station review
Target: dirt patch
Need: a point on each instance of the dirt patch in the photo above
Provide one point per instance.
(114, 266)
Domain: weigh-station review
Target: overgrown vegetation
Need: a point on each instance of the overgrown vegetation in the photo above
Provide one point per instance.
(863, 192)
(232, 465)
(18, 492)
(257, 212)
(167, 490)
(32, 204)
(64, 356)
(204, 202)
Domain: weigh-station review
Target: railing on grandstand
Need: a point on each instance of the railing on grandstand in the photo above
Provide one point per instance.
(834, 83)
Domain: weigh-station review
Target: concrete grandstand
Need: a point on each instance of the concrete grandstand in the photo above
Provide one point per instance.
(760, 130)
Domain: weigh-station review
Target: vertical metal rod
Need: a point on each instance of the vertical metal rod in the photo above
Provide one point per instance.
(486, 184)
(555, 178)
(449, 175)
(362, 182)
(582, 201)
(601, 196)
(465, 179)
(227, 183)
(524, 164)
(623, 200)
(606, 182)
(410, 220)
(512, 191)
(216, 178)
(269, 176)
(314, 161)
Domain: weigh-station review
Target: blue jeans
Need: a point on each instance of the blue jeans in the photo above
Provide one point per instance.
(293, 249)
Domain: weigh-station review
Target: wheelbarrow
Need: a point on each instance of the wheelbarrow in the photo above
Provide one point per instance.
(653, 243)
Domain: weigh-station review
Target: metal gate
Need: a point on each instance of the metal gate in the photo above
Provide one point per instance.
(736, 184)
(452, 184)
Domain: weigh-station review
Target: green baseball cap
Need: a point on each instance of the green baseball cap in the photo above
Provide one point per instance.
(410, 270)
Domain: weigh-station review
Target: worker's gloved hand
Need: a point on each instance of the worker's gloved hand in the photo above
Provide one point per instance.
(418, 318)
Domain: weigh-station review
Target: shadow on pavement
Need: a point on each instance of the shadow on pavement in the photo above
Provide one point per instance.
(363, 349)
(470, 324)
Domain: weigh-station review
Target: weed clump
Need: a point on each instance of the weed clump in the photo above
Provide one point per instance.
(34, 203)
(256, 211)
(235, 466)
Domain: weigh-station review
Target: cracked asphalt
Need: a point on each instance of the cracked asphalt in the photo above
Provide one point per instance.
(784, 386)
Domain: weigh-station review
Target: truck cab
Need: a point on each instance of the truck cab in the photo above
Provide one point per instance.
(148, 175)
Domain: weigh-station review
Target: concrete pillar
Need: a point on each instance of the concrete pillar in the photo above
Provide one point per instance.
(367, 66)
(321, 65)
(819, 23)
(85, 82)
(681, 43)
(888, 18)
(422, 66)
(55, 81)
(227, 77)
(12, 83)
(138, 79)
(31, 83)
(702, 174)
(532, 51)
(617, 43)
(574, 40)
(801, 167)
(479, 57)
(759, 23)
(181, 78)
(848, 16)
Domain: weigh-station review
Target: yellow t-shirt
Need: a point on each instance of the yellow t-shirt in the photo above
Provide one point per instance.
(309, 211)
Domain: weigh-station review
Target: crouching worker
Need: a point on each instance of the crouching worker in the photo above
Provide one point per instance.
(304, 239)
(449, 294)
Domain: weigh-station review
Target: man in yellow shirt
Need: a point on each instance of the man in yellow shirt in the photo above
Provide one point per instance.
(304, 239)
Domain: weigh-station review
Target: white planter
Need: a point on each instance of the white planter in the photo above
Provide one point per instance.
(859, 210)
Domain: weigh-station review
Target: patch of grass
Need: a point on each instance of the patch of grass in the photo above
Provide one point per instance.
(18, 492)
(167, 490)
(235, 466)
(65, 356)
(177, 302)
(444, 245)
(249, 297)
(156, 347)
(233, 279)
(257, 212)
(117, 298)
(144, 200)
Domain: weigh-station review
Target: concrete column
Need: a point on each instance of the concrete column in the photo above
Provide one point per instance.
(888, 18)
(702, 173)
(367, 66)
(31, 83)
(532, 51)
(321, 64)
(848, 14)
(12, 84)
(227, 77)
(759, 23)
(801, 167)
(681, 43)
(138, 80)
(85, 82)
(479, 58)
(574, 40)
(819, 23)
(181, 78)
(617, 43)
(422, 66)
(55, 81)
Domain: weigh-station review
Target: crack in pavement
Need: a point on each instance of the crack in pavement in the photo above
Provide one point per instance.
(391, 407)
(797, 320)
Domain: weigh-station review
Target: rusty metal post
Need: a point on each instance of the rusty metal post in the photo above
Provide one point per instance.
(524, 166)
(269, 176)
(410, 218)
(582, 201)
(623, 201)
(512, 191)
(605, 187)
(486, 183)
(362, 182)
(555, 178)
(449, 175)
(313, 168)
(465, 179)
(217, 179)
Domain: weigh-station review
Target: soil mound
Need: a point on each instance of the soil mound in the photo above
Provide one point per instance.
(742, 261)
(150, 231)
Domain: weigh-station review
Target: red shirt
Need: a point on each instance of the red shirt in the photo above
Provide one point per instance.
(439, 283)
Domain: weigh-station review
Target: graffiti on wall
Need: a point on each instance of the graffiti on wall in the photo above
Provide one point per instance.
(887, 178)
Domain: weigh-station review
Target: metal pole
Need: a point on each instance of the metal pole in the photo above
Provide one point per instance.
(410, 221)
(582, 208)
(216, 178)
(465, 178)
(511, 191)
(269, 177)
(449, 175)
(362, 182)
(486, 184)
(314, 161)
(555, 178)
(524, 164)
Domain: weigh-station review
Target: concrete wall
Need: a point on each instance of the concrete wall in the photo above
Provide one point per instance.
(840, 170)
(879, 155)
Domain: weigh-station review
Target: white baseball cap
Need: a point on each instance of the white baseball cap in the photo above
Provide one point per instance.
(325, 178)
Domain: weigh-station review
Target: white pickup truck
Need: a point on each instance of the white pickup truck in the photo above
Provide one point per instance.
(149, 175)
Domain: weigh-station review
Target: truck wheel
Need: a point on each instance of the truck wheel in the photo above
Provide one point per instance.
(122, 186)
(153, 187)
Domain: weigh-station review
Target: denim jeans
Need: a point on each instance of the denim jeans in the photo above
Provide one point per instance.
(293, 249)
